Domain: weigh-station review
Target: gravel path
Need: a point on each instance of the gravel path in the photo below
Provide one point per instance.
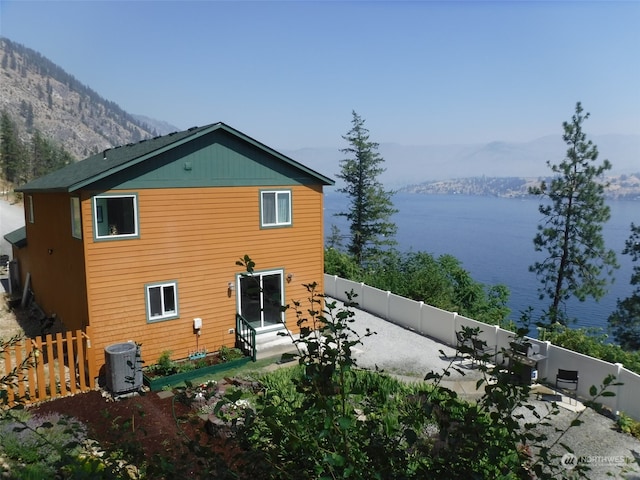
(410, 356)
(11, 218)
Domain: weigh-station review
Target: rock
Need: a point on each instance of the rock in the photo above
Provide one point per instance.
(217, 428)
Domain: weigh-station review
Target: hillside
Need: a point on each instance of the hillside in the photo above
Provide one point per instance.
(39, 95)
(620, 187)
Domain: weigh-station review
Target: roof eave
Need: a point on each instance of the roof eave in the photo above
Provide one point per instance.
(44, 190)
(17, 238)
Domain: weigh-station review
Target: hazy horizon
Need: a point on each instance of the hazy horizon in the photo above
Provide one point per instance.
(290, 73)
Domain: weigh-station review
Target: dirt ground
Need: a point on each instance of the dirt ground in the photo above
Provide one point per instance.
(29, 321)
(151, 431)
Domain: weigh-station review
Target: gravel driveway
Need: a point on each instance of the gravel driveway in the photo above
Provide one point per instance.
(11, 218)
(410, 356)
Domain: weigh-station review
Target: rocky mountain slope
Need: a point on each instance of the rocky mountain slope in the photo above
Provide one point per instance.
(38, 94)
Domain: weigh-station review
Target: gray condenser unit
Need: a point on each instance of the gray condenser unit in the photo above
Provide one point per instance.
(123, 367)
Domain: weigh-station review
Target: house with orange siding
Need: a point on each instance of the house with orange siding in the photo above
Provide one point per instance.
(138, 241)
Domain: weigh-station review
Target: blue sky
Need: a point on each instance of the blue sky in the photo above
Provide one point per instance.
(290, 73)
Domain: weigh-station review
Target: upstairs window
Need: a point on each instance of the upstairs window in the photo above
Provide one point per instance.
(162, 301)
(275, 208)
(30, 209)
(115, 216)
(76, 221)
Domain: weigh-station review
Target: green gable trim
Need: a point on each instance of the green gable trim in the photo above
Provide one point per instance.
(216, 159)
(17, 238)
(103, 168)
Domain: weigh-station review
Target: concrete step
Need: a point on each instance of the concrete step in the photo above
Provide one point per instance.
(270, 344)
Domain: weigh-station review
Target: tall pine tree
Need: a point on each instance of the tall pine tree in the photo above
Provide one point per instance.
(370, 207)
(577, 264)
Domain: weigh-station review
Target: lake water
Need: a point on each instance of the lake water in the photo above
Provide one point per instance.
(493, 238)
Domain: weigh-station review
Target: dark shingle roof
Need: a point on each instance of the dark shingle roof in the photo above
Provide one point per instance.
(17, 238)
(110, 161)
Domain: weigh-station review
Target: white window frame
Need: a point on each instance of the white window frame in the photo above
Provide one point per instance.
(99, 218)
(278, 221)
(166, 314)
(30, 209)
(76, 218)
(259, 278)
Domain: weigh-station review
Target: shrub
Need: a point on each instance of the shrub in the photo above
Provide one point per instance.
(592, 342)
(164, 366)
(38, 445)
(628, 425)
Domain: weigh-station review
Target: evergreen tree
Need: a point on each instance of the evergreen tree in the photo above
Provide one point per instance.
(370, 206)
(334, 240)
(11, 151)
(46, 156)
(624, 322)
(571, 231)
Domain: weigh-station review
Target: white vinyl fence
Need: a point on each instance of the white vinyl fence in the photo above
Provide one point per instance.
(442, 326)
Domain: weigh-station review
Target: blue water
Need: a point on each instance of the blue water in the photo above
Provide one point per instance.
(493, 238)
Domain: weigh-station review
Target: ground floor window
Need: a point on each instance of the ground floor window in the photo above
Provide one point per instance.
(261, 299)
(162, 301)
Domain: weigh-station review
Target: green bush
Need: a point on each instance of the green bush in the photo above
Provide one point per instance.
(37, 446)
(164, 366)
(340, 264)
(227, 354)
(441, 282)
(592, 342)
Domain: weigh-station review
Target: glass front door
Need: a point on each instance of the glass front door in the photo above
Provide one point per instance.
(261, 299)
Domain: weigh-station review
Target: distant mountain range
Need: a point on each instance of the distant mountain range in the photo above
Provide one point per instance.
(413, 164)
(38, 94)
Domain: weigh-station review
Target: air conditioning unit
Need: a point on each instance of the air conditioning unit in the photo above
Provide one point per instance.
(123, 367)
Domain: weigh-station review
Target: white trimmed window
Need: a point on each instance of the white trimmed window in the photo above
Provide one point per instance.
(76, 221)
(261, 298)
(115, 216)
(162, 301)
(30, 207)
(275, 208)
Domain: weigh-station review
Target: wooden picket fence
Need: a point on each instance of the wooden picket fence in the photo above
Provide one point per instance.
(48, 367)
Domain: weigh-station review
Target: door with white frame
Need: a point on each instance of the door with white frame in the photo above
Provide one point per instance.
(260, 299)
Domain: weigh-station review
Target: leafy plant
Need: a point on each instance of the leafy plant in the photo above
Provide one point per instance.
(227, 354)
(628, 425)
(164, 366)
(39, 445)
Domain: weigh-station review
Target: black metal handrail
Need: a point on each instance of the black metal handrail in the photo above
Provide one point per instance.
(245, 337)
